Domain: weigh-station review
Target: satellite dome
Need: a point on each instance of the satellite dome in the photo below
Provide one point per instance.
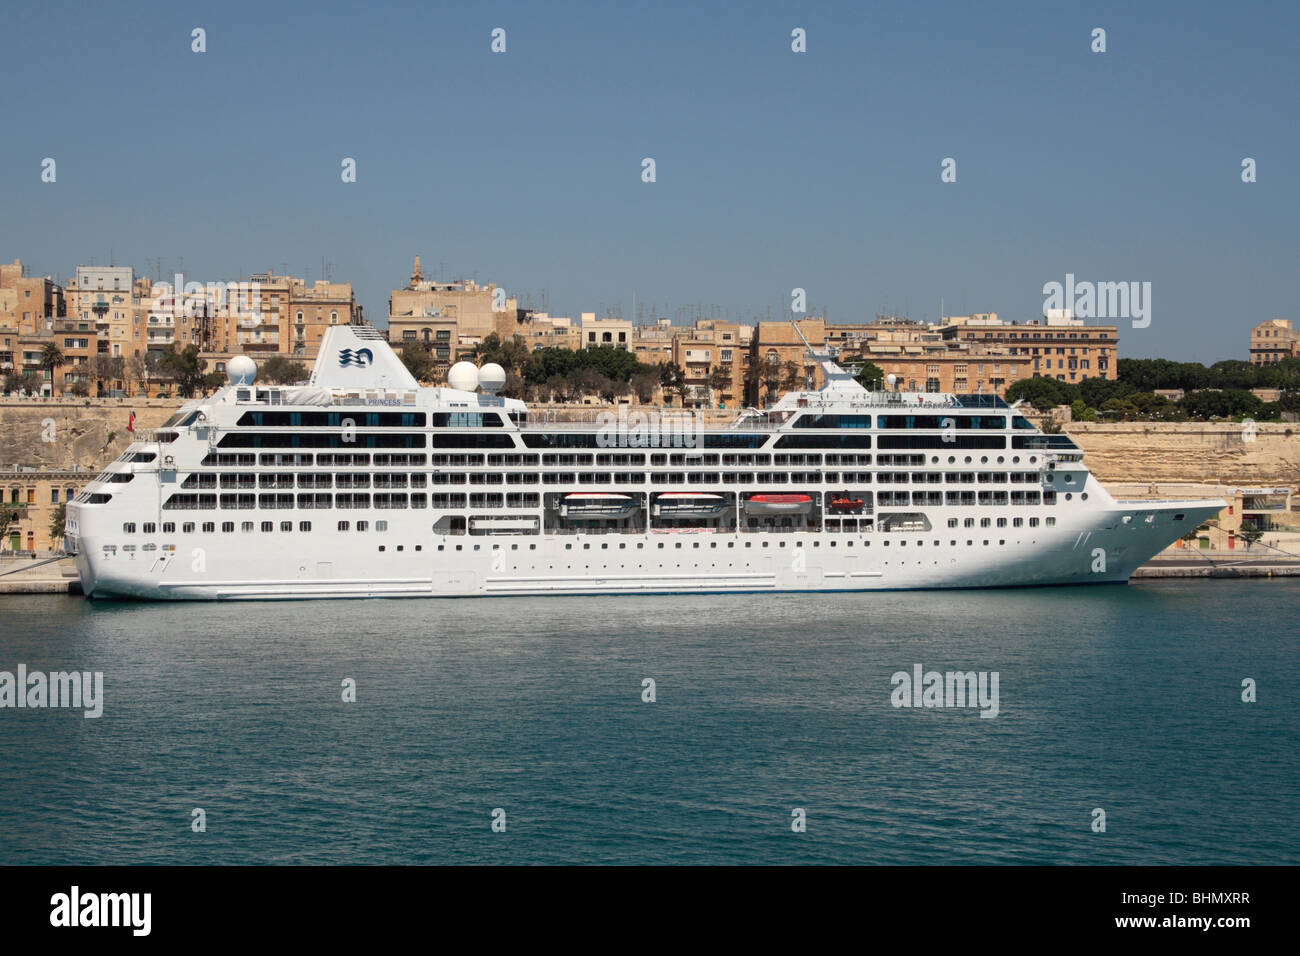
(463, 377)
(491, 378)
(241, 370)
(891, 379)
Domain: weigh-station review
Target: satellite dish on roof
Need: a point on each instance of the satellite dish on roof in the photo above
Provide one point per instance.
(463, 377)
(491, 378)
(241, 370)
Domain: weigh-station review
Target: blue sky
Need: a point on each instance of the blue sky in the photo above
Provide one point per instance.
(775, 170)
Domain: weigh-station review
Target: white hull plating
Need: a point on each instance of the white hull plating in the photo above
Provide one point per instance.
(1099, 548)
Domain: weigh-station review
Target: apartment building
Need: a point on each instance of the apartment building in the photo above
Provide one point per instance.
(1272, 341)
(1058, 346)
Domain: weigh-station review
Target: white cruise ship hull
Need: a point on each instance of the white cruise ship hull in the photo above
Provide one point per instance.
(1101, 548)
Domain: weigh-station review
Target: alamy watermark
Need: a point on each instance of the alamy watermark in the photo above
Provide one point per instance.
(72, 689)
(649, 429)
(241, 299)
(76, 908)
(1100, 300)
(922, 688)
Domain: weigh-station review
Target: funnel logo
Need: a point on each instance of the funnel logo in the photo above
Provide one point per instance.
(360, 358)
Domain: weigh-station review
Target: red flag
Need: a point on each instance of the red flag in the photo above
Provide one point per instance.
(130, 425)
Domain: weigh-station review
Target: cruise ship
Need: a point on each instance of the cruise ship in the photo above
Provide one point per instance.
(363, 484)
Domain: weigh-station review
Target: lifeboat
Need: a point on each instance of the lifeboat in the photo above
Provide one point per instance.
(502, 525)
(597, 506)
(845, 503)
(778, 504)
(689, 504)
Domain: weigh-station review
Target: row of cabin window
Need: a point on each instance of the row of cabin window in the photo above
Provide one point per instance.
(188, 527)
(941, 420)
(356, 418)
(496, 440)
(325, 460)
(349, 418)
(890, 498)
(355, 459)
(229, 459)
(188, 502)
(957, 477)
(358, 480)
(1001, 522)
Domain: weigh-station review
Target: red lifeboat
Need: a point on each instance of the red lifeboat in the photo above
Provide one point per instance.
(778, 504)
(845, 503)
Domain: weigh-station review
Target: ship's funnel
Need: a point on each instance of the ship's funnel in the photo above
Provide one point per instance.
(358, 356)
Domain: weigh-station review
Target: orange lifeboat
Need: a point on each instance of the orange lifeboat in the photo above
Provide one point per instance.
(778, 504)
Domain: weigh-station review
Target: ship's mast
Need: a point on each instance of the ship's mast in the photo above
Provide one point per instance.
(835, 375)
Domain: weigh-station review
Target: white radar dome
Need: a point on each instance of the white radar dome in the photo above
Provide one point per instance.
(891, 379)
(463, 377)
(491, 378)
(241, 370)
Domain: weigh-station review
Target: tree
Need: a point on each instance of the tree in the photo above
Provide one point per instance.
(279, 370)
(1157, 407)
(645, 383)
(13, 382)
(771, 377)
(792, 376)
(556, 388)
(110, 369)
(1120, 408)
(52, 358)
(418, 362)
(720, 381)
(1042, 393)
(673, 379)
(681, 389)
(871, 375)
(1250, 535)
(154, 366)
(753, 381)
(1095, 391)
(57, 519)
(185, 368)
(511, 355)
(137, 370)
(588, 381)
(1228, 403)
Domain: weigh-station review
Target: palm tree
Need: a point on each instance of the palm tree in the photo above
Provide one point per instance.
(51, 358)
(720, 382)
